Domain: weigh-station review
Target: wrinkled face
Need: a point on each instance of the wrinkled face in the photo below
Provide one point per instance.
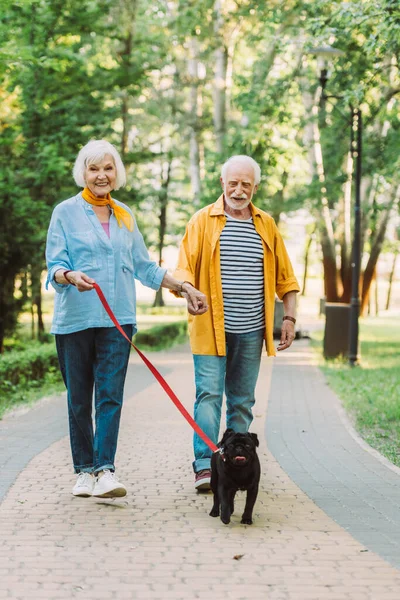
(239, 186)
(100, 177)
(239, 448)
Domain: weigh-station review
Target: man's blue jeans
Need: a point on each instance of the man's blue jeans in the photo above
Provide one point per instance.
(94, 358)
(237, 373)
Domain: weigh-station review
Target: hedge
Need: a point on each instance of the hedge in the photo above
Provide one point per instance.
(24, 369)
(162, 336)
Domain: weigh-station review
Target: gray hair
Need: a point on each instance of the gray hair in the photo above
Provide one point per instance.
(242, 158)
(93, 153)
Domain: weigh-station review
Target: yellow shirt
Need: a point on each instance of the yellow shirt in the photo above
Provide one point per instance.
(199, 264)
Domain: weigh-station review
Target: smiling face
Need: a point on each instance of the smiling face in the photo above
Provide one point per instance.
(100, 177)
(239, 185)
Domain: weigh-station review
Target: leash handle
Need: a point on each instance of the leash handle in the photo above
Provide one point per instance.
(156, 374)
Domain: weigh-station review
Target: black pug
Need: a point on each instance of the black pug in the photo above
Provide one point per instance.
(237, 468)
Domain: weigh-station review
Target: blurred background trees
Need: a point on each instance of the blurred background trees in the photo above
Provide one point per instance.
(179, 86)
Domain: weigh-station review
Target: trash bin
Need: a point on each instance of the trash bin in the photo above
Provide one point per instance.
(337, 329)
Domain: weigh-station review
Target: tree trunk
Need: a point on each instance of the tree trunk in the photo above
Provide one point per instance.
(195, 170)
(163, 196)
(376, 292)
(220, 74)
(8, 306)
(125, 55)
(376, 250)
(306, 255)
(391, 277)
(127, 17)
(323, 218)
(24, 287)
(325, 222)
(125, 125)
(36, 271)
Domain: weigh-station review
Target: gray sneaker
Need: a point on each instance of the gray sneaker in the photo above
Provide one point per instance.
(84, 485)
(108, 486)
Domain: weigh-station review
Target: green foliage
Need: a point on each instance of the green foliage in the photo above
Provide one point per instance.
(162, 336)
(17, 368)
(24, 375)
(33, 372)
(74, 71)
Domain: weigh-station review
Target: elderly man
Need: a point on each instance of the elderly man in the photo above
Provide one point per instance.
(235, 254)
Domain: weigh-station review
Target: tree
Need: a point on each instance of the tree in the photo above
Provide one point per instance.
(368, 78)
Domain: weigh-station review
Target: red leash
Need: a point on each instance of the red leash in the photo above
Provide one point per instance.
(157, 374)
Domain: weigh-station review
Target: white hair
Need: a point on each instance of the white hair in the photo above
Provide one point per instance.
(242, 158)
(93, 153)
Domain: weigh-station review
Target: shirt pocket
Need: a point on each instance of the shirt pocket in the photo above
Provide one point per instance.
(84, 252)
(126, 253)
(127, 268)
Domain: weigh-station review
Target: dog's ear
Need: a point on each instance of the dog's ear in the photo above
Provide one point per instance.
(255, 439)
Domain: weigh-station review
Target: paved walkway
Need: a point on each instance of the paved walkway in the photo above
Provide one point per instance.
(159, 543)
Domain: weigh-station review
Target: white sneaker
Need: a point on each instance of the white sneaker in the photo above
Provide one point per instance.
(108, 486)
(84, 485)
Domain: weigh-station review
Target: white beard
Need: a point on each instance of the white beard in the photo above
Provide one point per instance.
(236, 205)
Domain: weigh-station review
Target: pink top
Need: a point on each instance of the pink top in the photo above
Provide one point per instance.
(106, 227)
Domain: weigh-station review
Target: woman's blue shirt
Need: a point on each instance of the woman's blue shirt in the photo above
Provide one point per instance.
(77, 241)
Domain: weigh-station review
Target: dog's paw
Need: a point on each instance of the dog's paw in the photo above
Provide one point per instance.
(225, 520)
(247, 521)
(214, 513)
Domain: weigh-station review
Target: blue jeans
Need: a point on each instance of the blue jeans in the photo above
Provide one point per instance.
(94, 358)
(237, 372)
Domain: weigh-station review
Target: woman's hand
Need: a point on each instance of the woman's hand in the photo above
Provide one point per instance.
(80, 280)
(196, 300)
(83, 282)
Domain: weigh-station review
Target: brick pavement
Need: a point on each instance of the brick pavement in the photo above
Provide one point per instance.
(319, 450)
(159, 543)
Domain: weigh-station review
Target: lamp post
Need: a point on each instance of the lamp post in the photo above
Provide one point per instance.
(356, 250)
(324, 55)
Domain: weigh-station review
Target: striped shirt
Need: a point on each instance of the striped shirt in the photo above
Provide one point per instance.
(242, 272)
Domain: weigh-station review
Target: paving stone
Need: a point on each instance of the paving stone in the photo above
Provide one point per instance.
(159, 542)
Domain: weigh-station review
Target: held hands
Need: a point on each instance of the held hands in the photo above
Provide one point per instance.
(196, 301)
(83, 282)
(287, 335)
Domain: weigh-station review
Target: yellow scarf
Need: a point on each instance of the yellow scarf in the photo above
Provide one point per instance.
(121, 214)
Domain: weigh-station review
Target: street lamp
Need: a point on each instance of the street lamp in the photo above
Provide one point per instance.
(324, 55)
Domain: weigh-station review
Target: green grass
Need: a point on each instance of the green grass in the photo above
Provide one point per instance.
(371, 392)
(28, 395)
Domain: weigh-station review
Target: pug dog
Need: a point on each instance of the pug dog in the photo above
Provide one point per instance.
(235, 467)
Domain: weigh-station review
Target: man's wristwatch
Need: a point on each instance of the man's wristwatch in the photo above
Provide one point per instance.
(287, 318)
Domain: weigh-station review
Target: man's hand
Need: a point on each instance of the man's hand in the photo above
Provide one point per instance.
(287, 335)
(83, 282)
(196, 300)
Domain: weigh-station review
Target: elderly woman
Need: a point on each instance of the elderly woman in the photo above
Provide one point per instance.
(94, 238)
